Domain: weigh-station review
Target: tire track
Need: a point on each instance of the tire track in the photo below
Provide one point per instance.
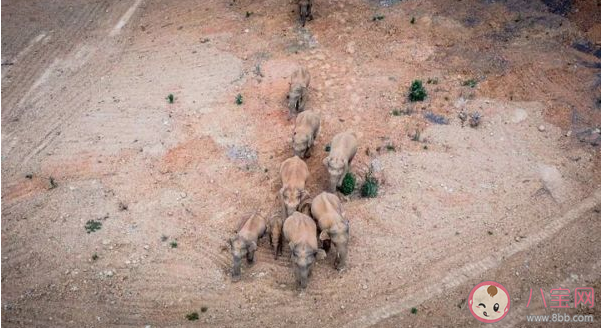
(471, 270)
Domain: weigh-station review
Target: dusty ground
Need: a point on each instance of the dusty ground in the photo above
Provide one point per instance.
(83, 101)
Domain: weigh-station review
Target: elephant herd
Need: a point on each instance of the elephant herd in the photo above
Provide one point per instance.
(308, 226)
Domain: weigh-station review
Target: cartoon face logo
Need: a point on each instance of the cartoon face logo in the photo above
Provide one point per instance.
(489, 302)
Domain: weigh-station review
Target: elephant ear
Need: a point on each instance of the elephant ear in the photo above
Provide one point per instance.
(324, 235)
(320, 254)
(252, 246)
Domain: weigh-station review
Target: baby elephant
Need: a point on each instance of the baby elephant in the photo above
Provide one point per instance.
(327, 210)
(301, 233)
(304, 9)
(245, 242)
(275, 235)
(342, 150)
(294, 173)
(305, 132)
(297, 96)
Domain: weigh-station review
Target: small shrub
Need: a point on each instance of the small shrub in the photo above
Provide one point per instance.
(370, 186)
(390, 147)
(414, 310)
(348, 184)
(239, 100)
(173, 244)
(417, 92)
(475, 119)
(327, 148)
(249, 13)
(192, 316)
(435, 118)
(412, 20)
(164, 238)
(470, 83)
(29, 176)
(490, 233)
(377, 17)
(94, 257)
(170, 98)
(432, 81)
(204, 309)
(93, 225)
(416, 136)
(53, 183)
(399, 112)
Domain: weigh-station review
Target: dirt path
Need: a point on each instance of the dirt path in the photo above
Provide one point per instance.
(515, 200)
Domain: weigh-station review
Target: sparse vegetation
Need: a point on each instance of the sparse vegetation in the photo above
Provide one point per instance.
(94, 257)
(29, 176)
(399, 112)
(435, 118)
(390, 147)
(377, 17)
(173, 244)
(348, 184)
(470, 83)
(204, 309)
(489, 233)
(123, 206)
(412, 20)
(170, 98)
(416, 136)
(327, 148)
(370, 186)
(53, 183)
(475, 119)
(93, 225)
(192, 316)
(249, 13)
(414, 310)
(417, 92)
(239, 100)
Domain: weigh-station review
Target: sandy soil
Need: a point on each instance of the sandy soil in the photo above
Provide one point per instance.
(83, 102)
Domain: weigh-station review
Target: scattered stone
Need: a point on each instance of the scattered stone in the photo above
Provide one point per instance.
(519, 115)
(541, 128)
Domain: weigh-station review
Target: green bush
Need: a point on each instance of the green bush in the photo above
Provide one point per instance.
(348, 184)
(370, 187)
(417, 92)
(239, 100)
(93, 225)
(170, 98)
(470, 83)
(192, 316)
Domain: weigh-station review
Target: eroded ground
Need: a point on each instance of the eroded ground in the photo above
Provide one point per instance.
(83, 101)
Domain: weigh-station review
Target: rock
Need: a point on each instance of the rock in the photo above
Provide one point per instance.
(109, 273)
(569, 133)
(146, 247)
(519, 115)
(342, 307)
(350, 47)
(364, 286)
(553, 181)
(541, 128)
